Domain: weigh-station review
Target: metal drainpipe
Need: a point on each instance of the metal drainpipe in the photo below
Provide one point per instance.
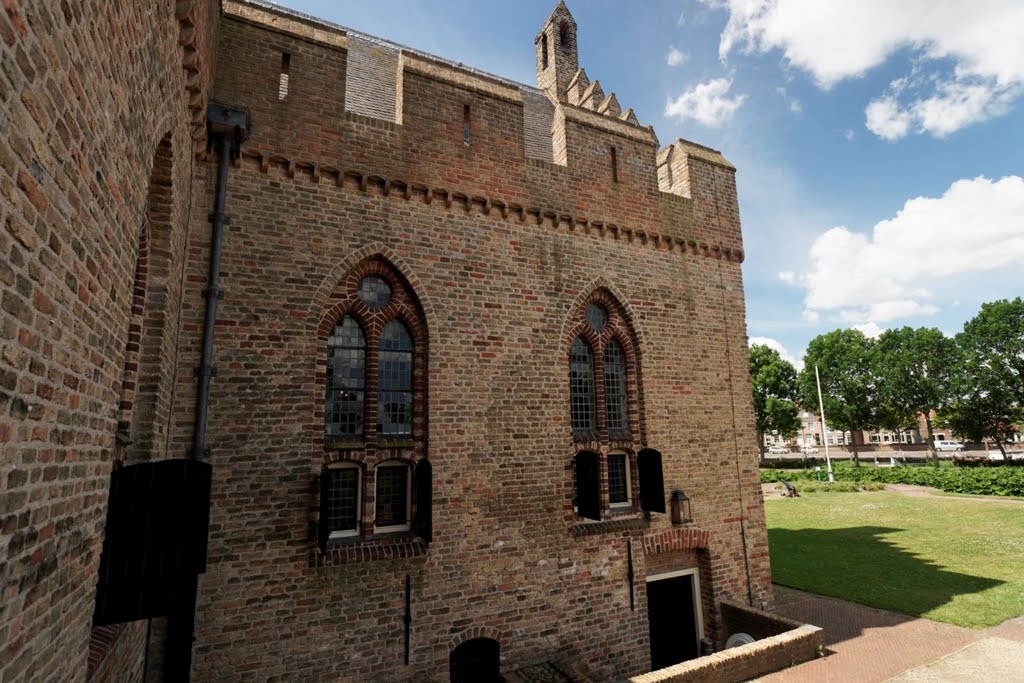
(227, 129)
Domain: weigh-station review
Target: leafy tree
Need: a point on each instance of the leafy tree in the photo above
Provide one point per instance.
(774, 380)
(848, 381)
(989, 382)
(914, 369)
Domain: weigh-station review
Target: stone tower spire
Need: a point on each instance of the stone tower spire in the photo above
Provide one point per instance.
(557, 59)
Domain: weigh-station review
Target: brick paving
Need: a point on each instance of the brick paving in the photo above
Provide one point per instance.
(864, 644)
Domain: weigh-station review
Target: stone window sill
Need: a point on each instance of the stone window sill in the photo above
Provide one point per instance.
(607, 526)
(384, 547)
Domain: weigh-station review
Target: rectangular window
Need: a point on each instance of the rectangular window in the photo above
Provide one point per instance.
(465, 125)
(618, 480)
(392, 497)
(342, 505)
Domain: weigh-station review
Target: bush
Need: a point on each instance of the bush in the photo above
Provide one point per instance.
(814, 486)
(982, 481)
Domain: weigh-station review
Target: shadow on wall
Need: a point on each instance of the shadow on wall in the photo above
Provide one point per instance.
(861, 565)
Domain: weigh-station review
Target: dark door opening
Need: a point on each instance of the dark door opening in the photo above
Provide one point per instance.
(672, 617)
(476, 661)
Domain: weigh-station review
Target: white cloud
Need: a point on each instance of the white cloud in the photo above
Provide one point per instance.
(788, 276)
(706, 103)
(848, 134)
(675, 56)
(835, 39)
(870, 330)
(681, 21)
(884, 118)
(915, 262)
(777, 346)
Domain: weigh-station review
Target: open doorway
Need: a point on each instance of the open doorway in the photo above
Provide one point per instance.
(674, 616)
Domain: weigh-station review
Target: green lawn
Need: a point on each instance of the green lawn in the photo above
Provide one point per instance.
(955, 560)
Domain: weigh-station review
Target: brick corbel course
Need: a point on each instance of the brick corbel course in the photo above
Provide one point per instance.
(378, 185)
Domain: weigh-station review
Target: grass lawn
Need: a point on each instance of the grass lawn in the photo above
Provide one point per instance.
(955, 560)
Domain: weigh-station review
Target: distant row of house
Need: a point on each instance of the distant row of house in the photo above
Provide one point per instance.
(810, 435)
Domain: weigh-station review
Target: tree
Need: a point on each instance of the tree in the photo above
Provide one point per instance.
(989, 382)
(914, 369)
(848, 381)
(774, 380)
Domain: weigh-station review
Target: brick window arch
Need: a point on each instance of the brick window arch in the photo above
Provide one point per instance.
(373, 382)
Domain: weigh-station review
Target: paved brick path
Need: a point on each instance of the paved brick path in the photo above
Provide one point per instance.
(865, 644)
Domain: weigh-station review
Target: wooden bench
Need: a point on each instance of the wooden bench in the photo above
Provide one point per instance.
(790, 489)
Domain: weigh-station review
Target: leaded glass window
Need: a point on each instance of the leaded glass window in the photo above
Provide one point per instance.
(618, 479)
(581, 385)
(341, 509)
(374, 292)
(597, 317)
(615, 386)
(394, 381)
(392, 495)
(346, 379)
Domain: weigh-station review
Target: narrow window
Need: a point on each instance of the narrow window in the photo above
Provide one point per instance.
(618, 480)
(465, 124)
(581, 385)
(394, 381)
(615, 166)
(282, 85)
(544, 51)
(615, 386)
(340, 508)
(652, 480)
(346, 379)
(393, 494)
(563, 36)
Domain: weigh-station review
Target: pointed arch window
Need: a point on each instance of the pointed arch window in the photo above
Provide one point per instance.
(346, 379)
(581, 385)
(377, 478)
(615, 387)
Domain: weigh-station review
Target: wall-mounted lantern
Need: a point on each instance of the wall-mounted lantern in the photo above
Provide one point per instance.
(680, 508)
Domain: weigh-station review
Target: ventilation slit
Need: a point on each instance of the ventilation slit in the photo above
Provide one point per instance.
(465, 124)
(615, 165)
(282, 85)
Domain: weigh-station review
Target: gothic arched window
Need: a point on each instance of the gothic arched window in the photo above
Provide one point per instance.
(346, 379)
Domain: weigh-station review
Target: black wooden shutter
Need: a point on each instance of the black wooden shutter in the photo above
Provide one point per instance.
(323, 527)
(588, 485)
(652, 481)
(424, 501)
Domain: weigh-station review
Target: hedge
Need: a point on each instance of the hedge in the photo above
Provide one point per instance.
(985, 481)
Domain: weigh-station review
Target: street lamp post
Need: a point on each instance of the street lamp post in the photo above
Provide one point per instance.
(821, 409)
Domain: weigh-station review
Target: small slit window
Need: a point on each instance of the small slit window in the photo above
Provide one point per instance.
(465, 124)
(544, 51)
(563, 36)
(282, 84)
(581, 385)
(615, 164)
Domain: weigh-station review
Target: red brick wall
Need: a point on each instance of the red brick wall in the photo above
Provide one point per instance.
(87, 92)
(318, 191)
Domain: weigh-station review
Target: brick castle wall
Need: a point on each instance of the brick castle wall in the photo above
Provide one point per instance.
(502, 251)
(87, 93)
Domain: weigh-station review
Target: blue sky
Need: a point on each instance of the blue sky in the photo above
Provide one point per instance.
(879, 145)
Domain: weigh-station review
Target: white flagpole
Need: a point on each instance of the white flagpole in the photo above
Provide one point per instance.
(824, 429)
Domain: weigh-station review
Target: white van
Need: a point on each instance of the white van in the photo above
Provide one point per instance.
(948, 446)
